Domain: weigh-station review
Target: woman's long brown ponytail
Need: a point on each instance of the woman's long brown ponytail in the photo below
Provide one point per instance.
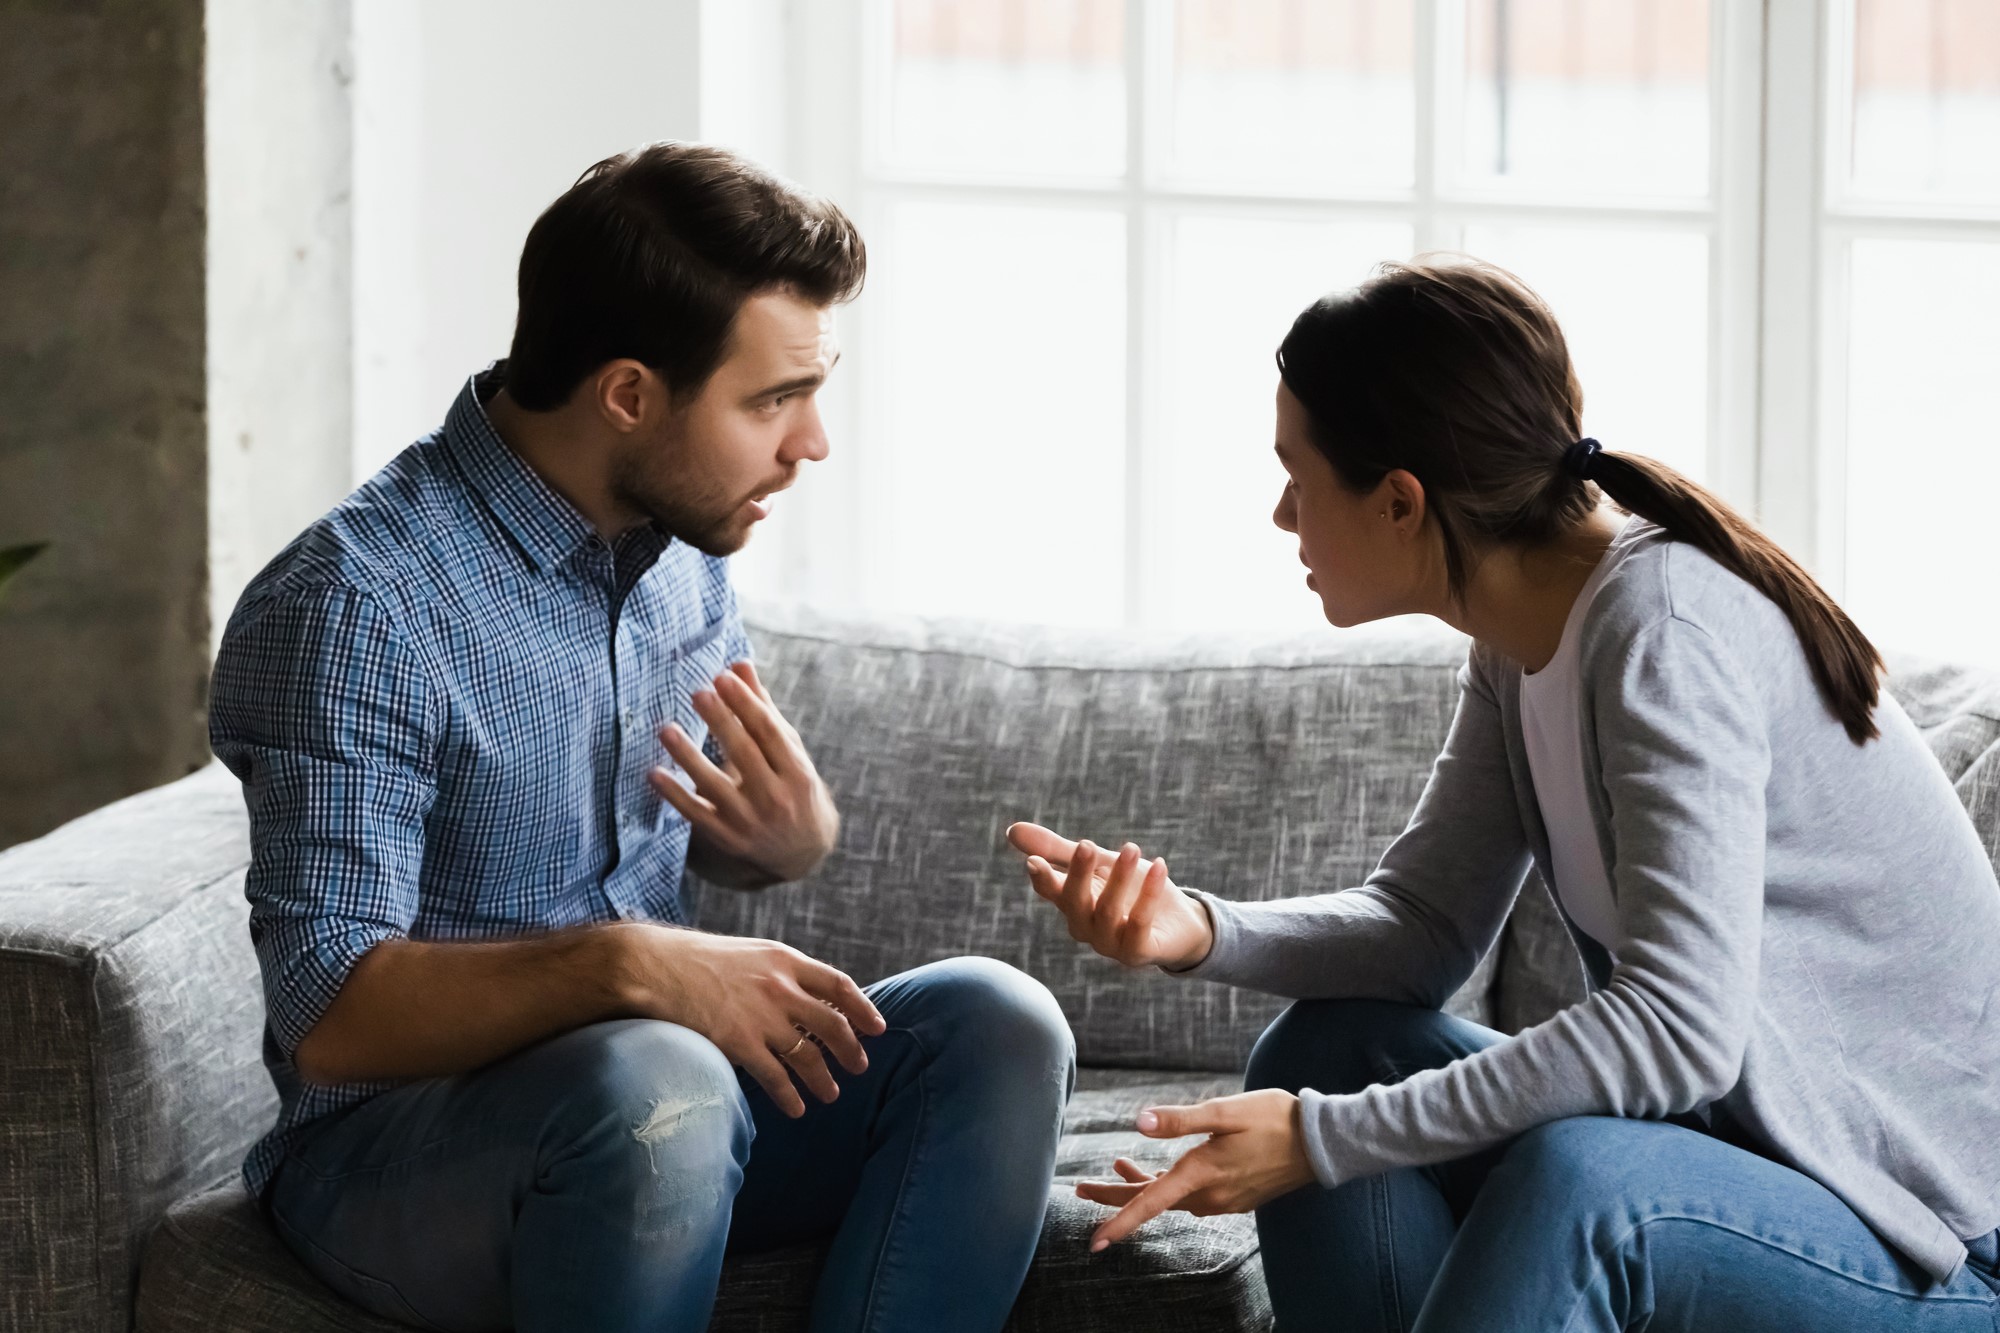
(1454, 371)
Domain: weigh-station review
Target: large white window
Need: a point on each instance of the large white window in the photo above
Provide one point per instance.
(1771, 231)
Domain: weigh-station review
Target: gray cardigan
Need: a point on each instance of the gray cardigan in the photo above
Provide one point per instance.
(1809, 931)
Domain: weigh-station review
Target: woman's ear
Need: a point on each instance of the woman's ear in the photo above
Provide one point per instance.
(1401, 500)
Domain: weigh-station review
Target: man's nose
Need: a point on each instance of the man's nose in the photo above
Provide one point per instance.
(808, 442)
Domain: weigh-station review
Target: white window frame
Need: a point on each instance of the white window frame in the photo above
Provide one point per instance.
(1778, 253)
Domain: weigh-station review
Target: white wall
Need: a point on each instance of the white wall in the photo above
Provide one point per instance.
(470, 117)
(280, 380)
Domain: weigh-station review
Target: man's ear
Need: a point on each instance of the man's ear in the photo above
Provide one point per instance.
(629, 395)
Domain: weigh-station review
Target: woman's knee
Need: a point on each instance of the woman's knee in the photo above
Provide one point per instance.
(1348, 1045)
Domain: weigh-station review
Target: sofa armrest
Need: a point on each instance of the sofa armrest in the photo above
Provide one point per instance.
(130, 1015)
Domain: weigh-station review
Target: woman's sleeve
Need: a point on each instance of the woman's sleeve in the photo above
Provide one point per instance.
(1418, 926)
(1685, 760)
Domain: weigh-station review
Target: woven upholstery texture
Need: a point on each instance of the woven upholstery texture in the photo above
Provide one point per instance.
(129, 1013)
(215, 1264)
(1260, 770)
(130, 1007)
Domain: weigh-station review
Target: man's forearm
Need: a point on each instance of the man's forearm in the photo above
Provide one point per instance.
(416, 1009)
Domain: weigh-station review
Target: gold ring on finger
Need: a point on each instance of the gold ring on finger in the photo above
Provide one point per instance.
(793, 1049)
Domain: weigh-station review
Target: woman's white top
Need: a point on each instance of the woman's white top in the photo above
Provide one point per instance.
(1552, 732)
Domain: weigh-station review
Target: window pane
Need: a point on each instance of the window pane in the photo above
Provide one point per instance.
(1923, 445)
(997, 490)
(1293, 95)
(1609, 97)
(1213, 557)
(1634, 309)
(1007, 87)
(1926, 85)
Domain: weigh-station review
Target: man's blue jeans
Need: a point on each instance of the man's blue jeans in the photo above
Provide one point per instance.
(593, 1181)
(1582, 1225)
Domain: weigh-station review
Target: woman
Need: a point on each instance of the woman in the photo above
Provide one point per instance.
(1779, 1107)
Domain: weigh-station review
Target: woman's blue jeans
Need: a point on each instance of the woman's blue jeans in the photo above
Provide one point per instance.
(1592, 1224)
(595, 1180)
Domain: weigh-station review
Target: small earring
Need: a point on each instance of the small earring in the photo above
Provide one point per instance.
(1384, 514)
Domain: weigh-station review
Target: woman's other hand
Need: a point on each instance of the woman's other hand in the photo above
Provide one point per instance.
(1123, 906)
(1255, 1152)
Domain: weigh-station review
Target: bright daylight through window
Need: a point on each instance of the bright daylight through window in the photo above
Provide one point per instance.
(1092, 220)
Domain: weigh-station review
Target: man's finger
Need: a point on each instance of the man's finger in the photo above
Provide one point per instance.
(838, 989)
(726, 796)
(833, 1030)
(805, 1059)
(1034, 840)
(1215, 1116)
(696, 810)
(729, 732)
(761, 721)
(747, 671)
(773, 1075)
(1179, 1182)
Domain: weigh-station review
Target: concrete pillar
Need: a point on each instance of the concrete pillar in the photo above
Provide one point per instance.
(103, 429)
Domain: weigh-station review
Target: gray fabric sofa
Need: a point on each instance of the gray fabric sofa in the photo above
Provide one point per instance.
(130, 1009)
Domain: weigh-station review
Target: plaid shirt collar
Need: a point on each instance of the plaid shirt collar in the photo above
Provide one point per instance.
(547, 528)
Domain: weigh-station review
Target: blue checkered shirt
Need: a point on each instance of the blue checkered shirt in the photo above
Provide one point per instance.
(441, 699)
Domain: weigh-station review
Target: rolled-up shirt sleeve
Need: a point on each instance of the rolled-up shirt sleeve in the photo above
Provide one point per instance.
(323, 712)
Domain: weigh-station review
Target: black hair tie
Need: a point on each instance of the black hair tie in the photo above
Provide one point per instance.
(1580, 459)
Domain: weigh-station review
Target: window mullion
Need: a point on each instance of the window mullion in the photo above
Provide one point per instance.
(1139, 298)
(1792, 487)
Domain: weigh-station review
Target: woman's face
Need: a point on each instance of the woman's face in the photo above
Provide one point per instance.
(1354, 545)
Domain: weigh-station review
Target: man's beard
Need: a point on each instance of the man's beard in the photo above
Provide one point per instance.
(691, 510)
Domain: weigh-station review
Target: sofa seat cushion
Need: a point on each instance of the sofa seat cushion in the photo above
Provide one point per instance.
(215, 1265)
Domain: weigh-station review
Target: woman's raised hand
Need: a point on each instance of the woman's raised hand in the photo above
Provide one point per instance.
(1121, 905)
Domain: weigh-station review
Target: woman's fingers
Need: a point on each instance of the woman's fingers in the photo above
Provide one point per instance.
(1152, 896)
(1107, 1193)
(1120, 889)
(1044, 879)
(1132, 1171)
(1079, 891)
(1034, 840)
(1182, 1179)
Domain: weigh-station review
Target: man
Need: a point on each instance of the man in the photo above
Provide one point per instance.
(516, 1090)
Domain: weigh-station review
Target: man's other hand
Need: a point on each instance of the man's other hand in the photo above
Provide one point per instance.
(772, 1010)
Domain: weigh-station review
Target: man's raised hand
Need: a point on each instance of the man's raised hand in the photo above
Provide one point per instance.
(1122, 905)
(766, 806)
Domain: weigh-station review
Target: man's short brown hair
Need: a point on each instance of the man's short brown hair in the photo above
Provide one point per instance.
(652, 253)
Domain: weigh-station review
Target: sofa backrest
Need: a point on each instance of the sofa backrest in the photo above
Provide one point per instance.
(1260, 768)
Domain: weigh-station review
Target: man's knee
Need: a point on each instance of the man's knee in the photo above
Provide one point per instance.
(1344, 1045)
(984, 1006)
(649, 1098)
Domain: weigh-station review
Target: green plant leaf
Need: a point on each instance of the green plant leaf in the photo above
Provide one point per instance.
(13, 557)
